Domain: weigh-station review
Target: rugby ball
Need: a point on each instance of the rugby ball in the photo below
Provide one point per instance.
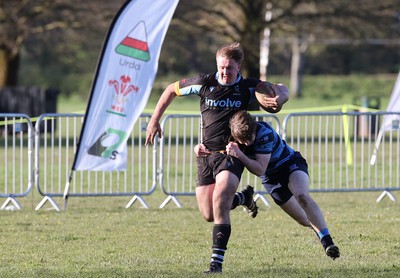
(266, 97)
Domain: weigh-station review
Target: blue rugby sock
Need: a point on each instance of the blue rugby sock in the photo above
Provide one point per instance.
(323, 232)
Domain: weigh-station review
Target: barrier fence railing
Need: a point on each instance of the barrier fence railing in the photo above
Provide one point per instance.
(345, 152)
(56, 139)
(16, 154)
(348, 151)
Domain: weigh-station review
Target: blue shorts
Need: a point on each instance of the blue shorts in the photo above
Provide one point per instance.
(209, 166)
(277, 183)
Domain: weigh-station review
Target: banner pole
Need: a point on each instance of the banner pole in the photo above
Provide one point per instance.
(66, 190)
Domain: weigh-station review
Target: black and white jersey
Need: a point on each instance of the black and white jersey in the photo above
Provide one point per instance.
(217, 104)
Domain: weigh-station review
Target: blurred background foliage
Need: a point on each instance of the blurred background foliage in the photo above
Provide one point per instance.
(56, 43)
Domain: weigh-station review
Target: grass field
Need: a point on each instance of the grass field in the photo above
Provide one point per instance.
(98, 237)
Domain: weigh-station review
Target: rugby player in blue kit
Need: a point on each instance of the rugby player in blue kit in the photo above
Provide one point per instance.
(283, 172)
(222, 94)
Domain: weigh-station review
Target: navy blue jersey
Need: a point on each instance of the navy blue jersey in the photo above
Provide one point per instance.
(269, 142)
(218, 103)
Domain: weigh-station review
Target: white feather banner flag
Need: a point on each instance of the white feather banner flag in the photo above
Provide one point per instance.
(393, 106)
(123, 82)
(389, 121)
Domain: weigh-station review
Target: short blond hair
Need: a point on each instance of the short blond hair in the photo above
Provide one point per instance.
(231, 51)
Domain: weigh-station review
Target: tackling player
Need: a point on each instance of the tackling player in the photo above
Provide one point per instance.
(283, 172)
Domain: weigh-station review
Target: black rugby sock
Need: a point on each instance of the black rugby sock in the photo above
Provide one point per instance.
(221, 234)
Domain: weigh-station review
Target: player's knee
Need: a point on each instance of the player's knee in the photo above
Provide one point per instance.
(304, 200)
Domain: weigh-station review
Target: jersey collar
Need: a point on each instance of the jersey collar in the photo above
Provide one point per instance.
(227, 85)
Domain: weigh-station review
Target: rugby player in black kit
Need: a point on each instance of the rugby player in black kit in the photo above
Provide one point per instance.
(222, 94)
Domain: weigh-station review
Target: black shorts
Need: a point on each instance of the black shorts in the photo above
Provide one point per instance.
(277, 183)
(209, 166)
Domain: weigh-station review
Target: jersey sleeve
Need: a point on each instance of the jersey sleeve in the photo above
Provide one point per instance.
(189, 86)
(264, 140)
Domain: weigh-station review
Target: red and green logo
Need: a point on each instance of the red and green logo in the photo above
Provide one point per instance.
(135, 44)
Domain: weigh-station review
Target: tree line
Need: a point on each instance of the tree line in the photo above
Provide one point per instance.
(56, 43)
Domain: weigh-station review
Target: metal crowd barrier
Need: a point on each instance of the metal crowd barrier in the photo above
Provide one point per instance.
(354, 151)
(348, 151)
(16, 147)
(56, 139)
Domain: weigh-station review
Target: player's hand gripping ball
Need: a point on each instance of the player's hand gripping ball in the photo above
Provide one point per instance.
(271, 96)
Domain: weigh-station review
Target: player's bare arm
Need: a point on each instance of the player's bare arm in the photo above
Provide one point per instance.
(256, 166)
(282, 93)
(154, 128)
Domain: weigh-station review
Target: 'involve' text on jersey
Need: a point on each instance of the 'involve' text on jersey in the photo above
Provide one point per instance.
(223, 103)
